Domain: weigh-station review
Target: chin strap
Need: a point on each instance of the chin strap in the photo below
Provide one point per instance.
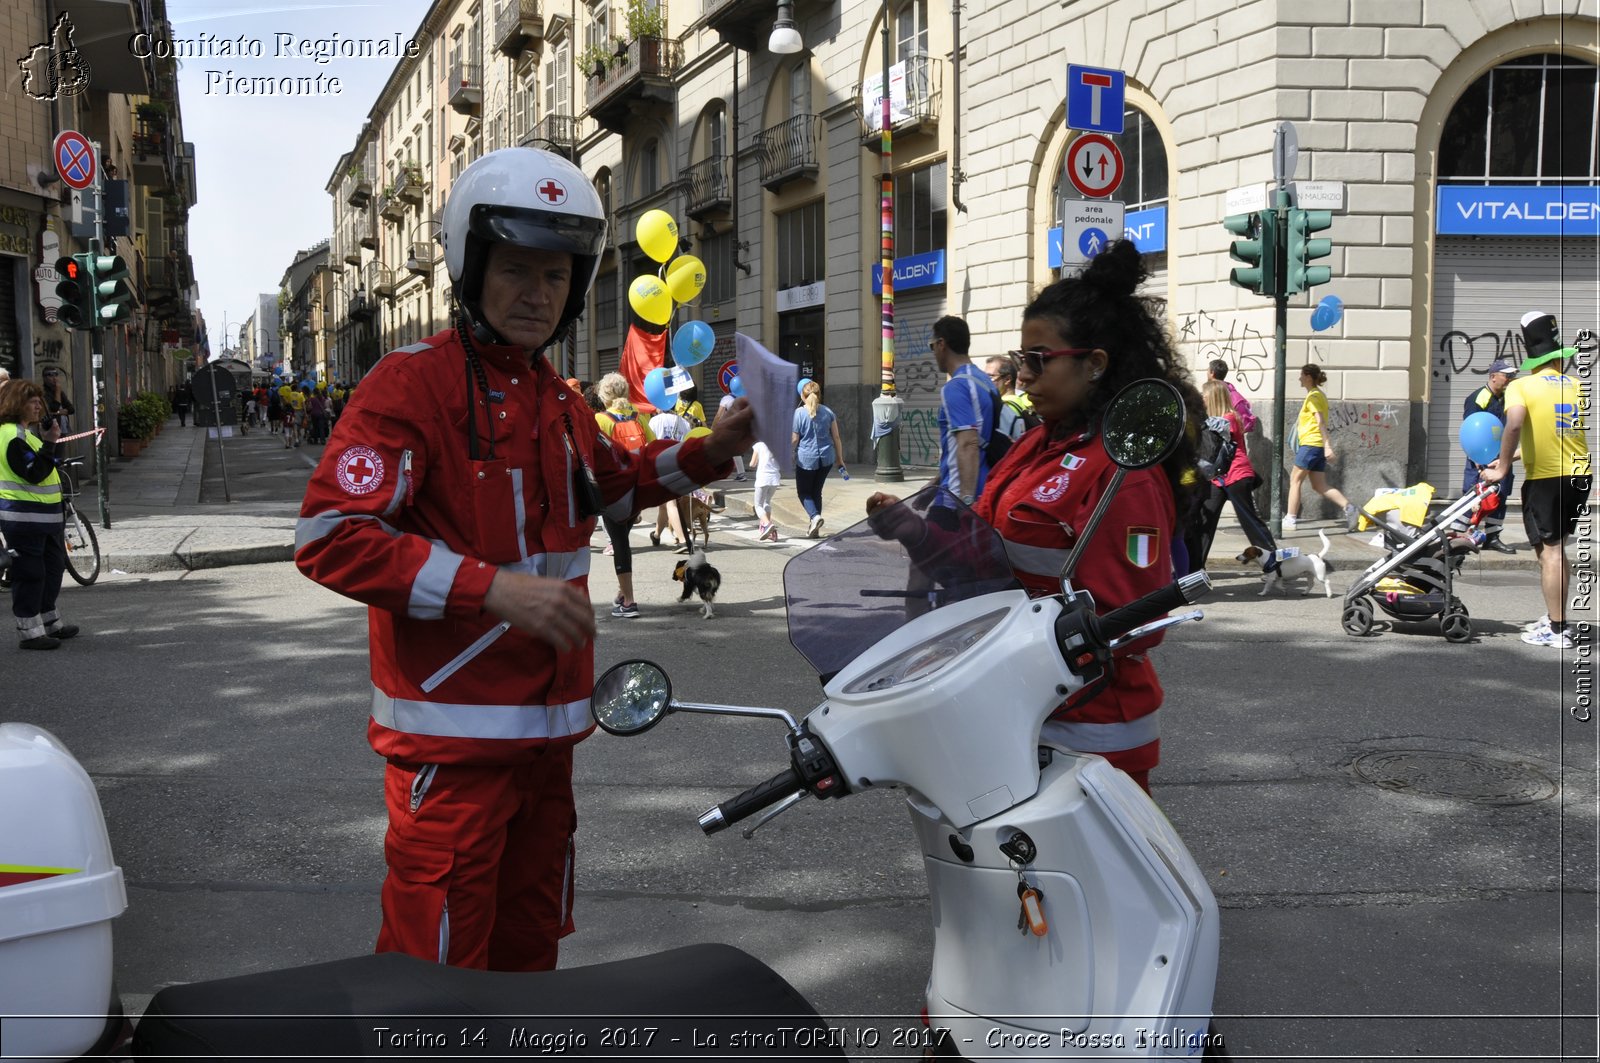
(465, 330)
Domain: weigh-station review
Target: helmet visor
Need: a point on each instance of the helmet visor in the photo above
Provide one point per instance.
(545, 230)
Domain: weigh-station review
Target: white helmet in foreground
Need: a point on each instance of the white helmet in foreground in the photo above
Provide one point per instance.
(530, 198)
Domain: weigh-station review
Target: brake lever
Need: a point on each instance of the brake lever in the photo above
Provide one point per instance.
(1157, 625)
(771, 813)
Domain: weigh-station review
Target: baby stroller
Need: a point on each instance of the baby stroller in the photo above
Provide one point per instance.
(1412, 581)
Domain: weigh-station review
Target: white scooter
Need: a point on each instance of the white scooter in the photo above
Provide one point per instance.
(1070, 921)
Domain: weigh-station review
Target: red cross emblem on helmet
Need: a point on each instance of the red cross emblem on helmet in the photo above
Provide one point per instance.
(359, 471)
(552, 191)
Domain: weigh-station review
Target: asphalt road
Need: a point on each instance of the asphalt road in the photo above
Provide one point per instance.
(1400, 831)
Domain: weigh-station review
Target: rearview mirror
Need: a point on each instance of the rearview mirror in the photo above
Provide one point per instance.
(1143, 423)
(630, 698)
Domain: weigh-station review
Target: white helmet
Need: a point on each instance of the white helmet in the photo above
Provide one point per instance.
(531, 198)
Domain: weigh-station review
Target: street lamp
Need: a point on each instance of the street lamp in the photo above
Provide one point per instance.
(785, 38)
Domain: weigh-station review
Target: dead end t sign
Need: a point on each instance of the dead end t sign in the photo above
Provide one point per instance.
(1095, 98)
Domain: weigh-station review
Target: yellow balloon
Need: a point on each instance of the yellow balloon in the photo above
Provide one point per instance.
(649, 299)
(685, 277)
(657, 234)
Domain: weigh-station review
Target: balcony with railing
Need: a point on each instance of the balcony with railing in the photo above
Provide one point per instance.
(708, 186)
(555, 132)
(359, 185)
(154, 162)
(465, 87)
(352, 253)
(366, 233)
(409, 185)
(517, 24)
(789, 150)
(917, 113)
(640, 74)
(390, 207)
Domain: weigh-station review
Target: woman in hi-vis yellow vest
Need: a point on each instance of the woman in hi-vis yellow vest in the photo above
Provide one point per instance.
(31, 516)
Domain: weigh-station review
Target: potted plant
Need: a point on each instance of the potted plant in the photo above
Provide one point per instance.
(592, 61)
(645, 18)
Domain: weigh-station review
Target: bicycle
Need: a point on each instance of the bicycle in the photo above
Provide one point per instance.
(83, 548)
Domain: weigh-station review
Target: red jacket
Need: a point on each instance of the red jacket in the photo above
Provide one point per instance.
(399, 516)
(1039, 497)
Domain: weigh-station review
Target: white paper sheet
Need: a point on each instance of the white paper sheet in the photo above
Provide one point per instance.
(769, 385)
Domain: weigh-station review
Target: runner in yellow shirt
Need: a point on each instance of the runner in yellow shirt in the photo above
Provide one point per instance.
(1313, 452)
(1547, 414)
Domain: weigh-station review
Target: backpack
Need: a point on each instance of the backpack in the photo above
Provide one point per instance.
(999, 443)
(1025, 414)
(1215, 449)
(627, 432)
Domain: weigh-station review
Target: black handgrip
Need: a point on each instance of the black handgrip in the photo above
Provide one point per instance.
(751, 801)
(1185, 591)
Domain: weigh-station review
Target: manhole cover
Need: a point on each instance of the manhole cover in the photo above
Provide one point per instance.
(1464, 776)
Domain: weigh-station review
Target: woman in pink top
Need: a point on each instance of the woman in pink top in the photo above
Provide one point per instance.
(1237, 484)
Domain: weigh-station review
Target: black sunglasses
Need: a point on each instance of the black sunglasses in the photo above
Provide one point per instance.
(1034, 359)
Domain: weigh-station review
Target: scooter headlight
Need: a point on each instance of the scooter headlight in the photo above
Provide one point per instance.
(927, 657)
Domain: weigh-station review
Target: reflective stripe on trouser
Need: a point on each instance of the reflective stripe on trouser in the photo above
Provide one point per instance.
(488, 854)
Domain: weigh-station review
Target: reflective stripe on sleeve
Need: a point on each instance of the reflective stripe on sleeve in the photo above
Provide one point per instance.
(430, 589)
(672, 477)
(308, 530)
(1103, 737)
(479, 721)
(1043, 561)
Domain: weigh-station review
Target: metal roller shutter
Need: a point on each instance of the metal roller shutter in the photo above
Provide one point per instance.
(1482, 287)
(12, 272)
(917, 378)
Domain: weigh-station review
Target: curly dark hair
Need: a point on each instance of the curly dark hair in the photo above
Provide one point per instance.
(1099, 308)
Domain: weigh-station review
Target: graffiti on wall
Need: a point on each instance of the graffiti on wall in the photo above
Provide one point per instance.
(1366, 423)
(919, 437)
(1464, 353)
(1247, 352)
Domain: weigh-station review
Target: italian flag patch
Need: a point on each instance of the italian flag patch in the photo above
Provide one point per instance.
(1142, 545)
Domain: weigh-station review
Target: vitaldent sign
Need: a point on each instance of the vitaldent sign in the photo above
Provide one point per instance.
(1519, 210)
(913, 271)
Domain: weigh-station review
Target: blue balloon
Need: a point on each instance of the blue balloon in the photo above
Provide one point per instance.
(736, 387)
(655, 389)
(1480, 437)
(692, 345)
(1328, 313)
(800, 387)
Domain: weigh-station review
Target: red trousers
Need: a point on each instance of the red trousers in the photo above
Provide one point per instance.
(480, 862)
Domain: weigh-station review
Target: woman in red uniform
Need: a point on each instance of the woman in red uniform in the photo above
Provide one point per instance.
(1083, 338)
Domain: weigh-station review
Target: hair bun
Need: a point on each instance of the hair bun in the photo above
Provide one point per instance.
(1118, 270)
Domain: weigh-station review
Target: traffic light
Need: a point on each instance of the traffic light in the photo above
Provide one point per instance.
(113, 295)
(76, 291)
(1303, 249)
(1259, 251)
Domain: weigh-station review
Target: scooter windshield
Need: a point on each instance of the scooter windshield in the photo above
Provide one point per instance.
(849, 591)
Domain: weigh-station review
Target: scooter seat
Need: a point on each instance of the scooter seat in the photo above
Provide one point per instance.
(700, 1000)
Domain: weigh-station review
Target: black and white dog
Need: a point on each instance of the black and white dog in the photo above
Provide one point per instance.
(698, 576)
(1276, 568)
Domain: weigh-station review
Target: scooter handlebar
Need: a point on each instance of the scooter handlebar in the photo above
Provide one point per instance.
(751, 801)
(1186, 591)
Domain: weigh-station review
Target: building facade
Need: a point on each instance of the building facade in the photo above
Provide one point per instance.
(1459, 141)
(70, 68)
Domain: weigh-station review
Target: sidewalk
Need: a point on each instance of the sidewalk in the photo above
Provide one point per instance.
(160, 524)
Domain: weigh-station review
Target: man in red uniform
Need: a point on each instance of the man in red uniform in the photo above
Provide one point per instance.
(456, 499)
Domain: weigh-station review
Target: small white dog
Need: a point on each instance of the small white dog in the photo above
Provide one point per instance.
(1284, 567)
